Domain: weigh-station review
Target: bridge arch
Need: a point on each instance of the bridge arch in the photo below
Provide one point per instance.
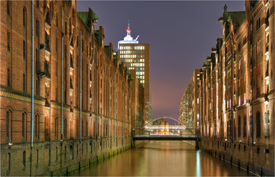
(166, 117)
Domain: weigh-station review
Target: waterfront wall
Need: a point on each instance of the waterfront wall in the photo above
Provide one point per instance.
(49, 158)
(255, 158)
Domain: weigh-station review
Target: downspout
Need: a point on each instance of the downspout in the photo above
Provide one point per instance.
(80, 98)
(32, 106)
(62, 58)
(97, 133)
(62, 82)
(114, 131)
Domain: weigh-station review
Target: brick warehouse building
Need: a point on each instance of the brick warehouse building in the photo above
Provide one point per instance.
(80, 90)
(236, 88)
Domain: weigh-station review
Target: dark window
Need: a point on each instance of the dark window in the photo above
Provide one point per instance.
(65, 152)
(239, 126)
(56, 44)
(57, 19)
(8, 41)
(267, 17)
(86, 129)
(244, 126)
(82, 132)
(56, 127)
(24, 17)
(24, 49)
(65, 128)
(37, 29)
(37, 3)
(9, 162)
(8, 78)
(244, 40)
(24, 158)
(36, 126)
(8, 7)
(56, 154)
(258, 23)
(258, 125)
(37, 156)
(8, 124)
(24, 125)
(24, 83)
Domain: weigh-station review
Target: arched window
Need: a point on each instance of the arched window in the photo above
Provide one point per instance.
(36, 126)
(244, 126)
(56, 127)
(24, 17)
(8, 124)
(24, 125)
(258, 125)
(239, 126)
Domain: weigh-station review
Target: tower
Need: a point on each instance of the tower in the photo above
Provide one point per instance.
(136, 56)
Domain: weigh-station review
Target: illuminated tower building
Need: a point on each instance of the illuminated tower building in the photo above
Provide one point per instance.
(136, 56)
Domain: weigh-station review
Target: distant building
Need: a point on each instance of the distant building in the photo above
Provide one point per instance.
(189, 107)
(136, 57)
(137, 100)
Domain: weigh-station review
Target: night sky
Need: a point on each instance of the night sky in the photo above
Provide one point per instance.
(180, 33)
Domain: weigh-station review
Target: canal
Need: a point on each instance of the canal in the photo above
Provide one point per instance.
(162, 158)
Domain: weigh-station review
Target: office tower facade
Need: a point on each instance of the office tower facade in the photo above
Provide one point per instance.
(136, 57)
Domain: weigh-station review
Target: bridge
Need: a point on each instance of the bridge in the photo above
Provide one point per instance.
(166, 132)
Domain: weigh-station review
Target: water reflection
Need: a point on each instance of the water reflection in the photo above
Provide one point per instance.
(162, 158)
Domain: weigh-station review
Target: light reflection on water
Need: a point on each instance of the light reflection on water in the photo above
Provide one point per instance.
(162, 158)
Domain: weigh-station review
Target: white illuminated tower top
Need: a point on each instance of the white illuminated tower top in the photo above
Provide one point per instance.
(128, 38)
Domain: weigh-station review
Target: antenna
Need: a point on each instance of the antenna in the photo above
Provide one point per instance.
(137, 37)
(128, 29)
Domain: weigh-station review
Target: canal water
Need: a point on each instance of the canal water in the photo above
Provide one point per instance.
(162, 158)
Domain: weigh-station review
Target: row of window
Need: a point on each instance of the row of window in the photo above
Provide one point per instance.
(26, 125)
(131, 48)
(9, 124)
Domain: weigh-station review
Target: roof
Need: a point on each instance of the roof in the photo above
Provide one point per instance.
(107, 49)
(84, 16)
